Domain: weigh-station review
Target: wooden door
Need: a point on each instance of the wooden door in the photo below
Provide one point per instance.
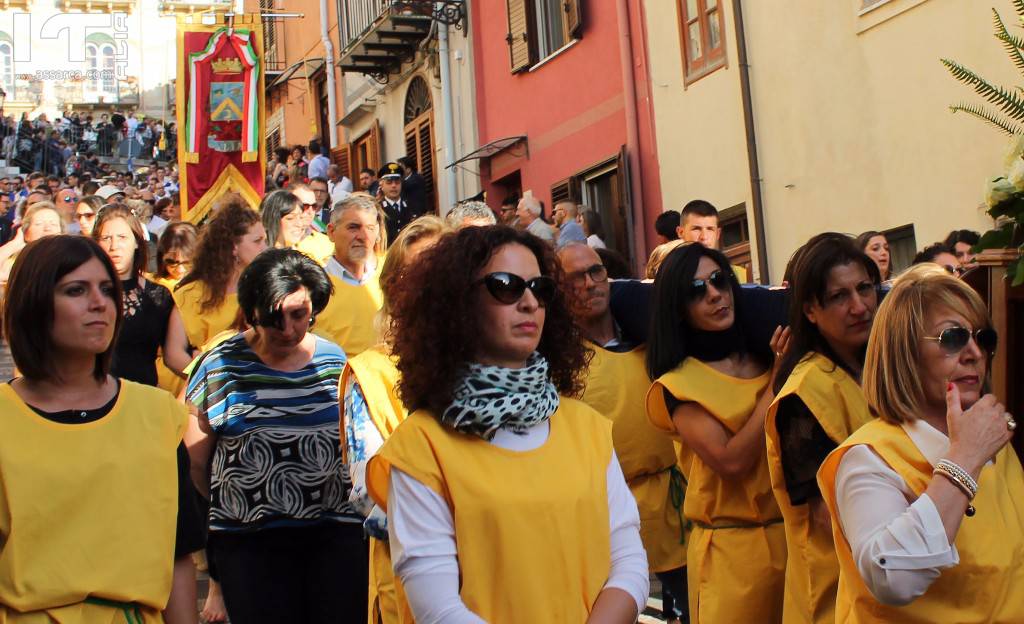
(419, 145)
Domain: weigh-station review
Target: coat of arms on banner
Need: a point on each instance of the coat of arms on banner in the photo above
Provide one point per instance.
(226, 102)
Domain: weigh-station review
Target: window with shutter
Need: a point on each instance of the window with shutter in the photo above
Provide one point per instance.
(341, 157)
(573, 18)
(519, 44)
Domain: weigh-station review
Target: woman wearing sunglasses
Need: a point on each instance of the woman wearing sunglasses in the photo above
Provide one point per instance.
(926, 501)
(505, 501)
(833, 297)
(711, 393)
(85, 213)
(286, 544)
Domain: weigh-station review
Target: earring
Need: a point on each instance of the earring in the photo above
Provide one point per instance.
(312, 319)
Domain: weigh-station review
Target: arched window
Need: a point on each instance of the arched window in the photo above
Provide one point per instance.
(107, 69)
(7, 67)
(92, 66)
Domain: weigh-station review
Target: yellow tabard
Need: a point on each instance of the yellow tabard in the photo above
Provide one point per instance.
(166, 380)
(201, 326)
(377, 376)
(741, 273)
(736, 552)
(88, 511)
(531, 528)
(348, 319)
(986, 585)
(616, 385)
(317, 246)
(812, 571)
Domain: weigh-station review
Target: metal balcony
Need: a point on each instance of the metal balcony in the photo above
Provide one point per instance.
(378, 36)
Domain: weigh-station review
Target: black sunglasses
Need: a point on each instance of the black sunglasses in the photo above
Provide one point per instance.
(719, 279)
(952, 340)
(508, 288)
(598, 273)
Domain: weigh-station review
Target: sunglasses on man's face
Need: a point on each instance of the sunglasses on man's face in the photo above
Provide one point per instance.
(719, 279)
(508, 288)
(952, 340)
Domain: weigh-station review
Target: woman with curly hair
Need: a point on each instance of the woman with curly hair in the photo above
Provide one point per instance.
(505, 500)
(207, 297)
(711, 392)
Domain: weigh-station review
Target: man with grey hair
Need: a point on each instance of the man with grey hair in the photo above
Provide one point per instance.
(470, 213)
(356, 228)
(569, 230)
(528, 211)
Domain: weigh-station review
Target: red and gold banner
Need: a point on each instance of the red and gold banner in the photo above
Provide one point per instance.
(220, 112)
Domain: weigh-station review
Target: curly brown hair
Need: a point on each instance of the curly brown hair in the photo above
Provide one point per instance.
(435, 321)
(214, 263)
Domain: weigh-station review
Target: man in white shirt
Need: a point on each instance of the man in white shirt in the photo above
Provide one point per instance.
(338, 186)
(317, 167)
(528, 211)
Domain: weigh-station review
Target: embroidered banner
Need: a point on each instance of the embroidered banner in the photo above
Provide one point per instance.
(221, 116)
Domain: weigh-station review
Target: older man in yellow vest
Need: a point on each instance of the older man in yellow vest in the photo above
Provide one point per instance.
(349, 317)
(616, 385)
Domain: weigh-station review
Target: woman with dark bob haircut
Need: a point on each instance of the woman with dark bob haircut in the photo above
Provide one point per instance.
(711, 393)
(507, 502)
(287, 545)
(818, 404)
(90, 477)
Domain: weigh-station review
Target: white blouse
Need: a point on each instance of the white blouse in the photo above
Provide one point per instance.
(899, 544)
(422, 534)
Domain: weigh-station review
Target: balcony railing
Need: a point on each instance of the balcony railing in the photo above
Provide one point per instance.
(360, 17)
(273, 46)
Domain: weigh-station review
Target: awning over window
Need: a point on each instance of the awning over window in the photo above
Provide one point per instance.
(303, 69)
(489, 150)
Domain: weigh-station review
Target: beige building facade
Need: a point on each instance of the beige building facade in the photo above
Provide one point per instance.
(848, 111)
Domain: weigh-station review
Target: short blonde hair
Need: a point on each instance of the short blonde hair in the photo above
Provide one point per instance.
(426, 226)
(892, 379)
(658, 256)
(36, 208)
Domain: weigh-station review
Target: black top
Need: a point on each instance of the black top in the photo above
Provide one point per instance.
(191, 526)
(147, 312)
(414, 193)
(803, 445)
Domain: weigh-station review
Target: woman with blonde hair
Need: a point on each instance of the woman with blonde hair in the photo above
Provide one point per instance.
(208, 296)
(41, 219)
(925, 501)
(658, 255)
(371, 410)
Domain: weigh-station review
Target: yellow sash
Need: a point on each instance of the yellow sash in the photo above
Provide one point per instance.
(986, 585)
(616, 384)
(348, 319)
(736, 553)
(812, 571)
(531, 528)
(87, 511)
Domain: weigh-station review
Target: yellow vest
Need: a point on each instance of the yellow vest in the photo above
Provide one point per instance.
(736, 553)
(741, 273)
(986, 585)
(616, 384)
(317, 246)
(348, 319)
(812, 571)
(201, 326)
(377, 376)
(531, 528)
(88, 511)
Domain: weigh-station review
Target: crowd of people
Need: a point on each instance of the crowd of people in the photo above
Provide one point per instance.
(347, 409)
(72, 142)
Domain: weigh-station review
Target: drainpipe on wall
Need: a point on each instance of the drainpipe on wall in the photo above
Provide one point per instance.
(332, 105)
(752, 162)
(447, 113)
(636, 194)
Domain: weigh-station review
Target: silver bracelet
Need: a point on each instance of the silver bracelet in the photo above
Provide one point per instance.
(960, 475)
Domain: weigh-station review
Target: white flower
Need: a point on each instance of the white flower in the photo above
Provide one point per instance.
(1015, 175)
(1014, 152)
(999, 190)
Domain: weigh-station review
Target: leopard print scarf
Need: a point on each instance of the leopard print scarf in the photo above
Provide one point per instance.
(488, 398)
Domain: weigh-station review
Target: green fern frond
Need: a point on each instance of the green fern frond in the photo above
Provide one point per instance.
(1008, 127)
(1012, 44)
(1007, 101)
(1018, 5)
